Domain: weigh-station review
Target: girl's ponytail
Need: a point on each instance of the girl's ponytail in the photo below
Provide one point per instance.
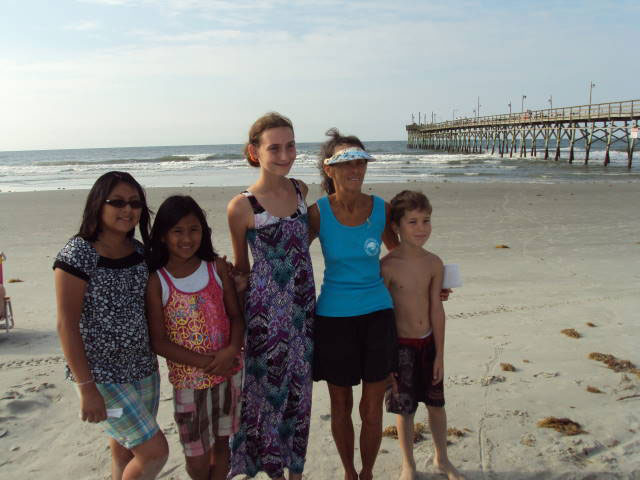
(328, 149)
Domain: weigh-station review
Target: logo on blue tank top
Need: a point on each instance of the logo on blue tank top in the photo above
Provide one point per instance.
(372, 247)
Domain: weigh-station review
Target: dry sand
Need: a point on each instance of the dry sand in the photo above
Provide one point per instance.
(573, 258)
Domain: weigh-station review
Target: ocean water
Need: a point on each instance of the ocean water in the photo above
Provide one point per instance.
(224, 165)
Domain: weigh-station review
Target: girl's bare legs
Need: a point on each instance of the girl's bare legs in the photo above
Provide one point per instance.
(405, 437)
(438, 425)
(221, 454)
(342, 427)
(148, 459)
(371, 432)
(120, 457)
(199, 467)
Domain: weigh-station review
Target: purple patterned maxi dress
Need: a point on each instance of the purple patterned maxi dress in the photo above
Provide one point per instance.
(280, 300)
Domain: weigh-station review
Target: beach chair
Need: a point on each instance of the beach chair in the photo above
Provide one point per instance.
(6, 321)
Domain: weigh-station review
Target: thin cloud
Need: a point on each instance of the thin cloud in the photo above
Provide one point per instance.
(204, 37)
(108, 2)
(84, 26)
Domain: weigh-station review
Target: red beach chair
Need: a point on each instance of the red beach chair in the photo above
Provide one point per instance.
(6, 319)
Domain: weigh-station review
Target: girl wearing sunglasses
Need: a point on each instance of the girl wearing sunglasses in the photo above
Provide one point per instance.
(100, 278)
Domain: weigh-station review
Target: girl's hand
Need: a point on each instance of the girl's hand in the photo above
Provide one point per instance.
(444, 294)
(438, 370)
(205, 360)
(229, 266)
(92, 407)
(223, 362)
(241, 280)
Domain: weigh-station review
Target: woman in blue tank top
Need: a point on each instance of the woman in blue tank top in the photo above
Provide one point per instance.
(355, 335)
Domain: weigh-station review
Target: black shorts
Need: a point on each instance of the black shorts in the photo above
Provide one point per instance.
(350, 349)
(416, 357)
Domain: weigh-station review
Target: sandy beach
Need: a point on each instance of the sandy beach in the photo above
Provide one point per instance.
(572, 259)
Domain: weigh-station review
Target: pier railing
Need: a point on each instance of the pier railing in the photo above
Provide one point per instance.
(596, 112)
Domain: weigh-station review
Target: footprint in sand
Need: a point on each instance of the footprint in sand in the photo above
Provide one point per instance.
(25, 407)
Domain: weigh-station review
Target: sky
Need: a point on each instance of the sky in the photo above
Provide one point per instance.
(115, 73)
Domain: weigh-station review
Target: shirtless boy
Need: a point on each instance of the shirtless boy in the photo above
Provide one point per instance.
(414, 278)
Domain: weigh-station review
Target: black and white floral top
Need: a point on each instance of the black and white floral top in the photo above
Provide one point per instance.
(113, 324)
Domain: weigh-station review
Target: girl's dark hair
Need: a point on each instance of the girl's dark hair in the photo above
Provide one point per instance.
(265, 122)
(172, 210)
(90, 226)
(328, 149)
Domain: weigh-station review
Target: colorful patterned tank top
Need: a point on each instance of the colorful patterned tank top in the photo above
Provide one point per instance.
(196, 321)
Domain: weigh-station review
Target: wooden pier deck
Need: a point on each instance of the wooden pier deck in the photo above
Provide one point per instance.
(524, 132)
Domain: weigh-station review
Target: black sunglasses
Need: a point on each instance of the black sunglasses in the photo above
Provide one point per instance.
(119, 203)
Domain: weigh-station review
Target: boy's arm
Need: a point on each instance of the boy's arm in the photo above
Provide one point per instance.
(159, 340)
(436, 315)
(225, 358)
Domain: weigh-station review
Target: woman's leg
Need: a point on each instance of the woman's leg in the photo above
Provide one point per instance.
(342, 427)
(371, 433)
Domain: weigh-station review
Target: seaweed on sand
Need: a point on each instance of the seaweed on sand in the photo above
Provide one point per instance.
(562, 425)
(455, 432)
(614, 363)
(571, 332)
(419, 430)
(391, 431)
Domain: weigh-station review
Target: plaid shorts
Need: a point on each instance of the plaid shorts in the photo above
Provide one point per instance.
(139, 404)
(203, 414)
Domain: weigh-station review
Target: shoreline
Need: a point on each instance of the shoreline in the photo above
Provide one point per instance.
(424, 179)
(222, 165)
(571, 259)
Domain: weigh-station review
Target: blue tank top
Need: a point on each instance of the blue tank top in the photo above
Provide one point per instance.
(352, 282)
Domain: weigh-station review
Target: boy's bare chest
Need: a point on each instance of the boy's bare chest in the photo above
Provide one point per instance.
(413, 278)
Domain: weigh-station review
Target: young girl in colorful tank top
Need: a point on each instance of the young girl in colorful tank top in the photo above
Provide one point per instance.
(196, 324)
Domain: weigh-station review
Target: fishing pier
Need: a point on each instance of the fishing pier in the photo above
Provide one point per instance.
(528, 131)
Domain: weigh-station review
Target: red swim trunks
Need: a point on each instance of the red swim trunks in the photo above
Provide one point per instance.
(415, 373)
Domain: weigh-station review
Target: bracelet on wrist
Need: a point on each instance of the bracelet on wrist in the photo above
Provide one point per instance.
(86, 382)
